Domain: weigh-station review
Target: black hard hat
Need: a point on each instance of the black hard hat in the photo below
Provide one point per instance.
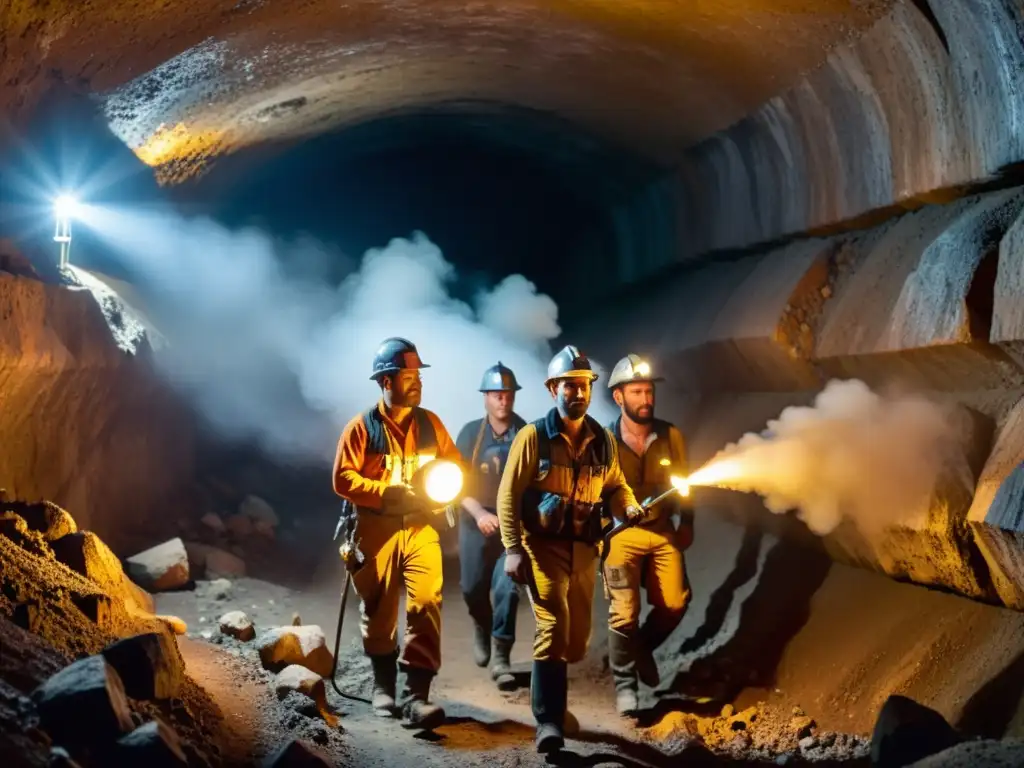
(393, 355)
(570, 363)
(498, 378)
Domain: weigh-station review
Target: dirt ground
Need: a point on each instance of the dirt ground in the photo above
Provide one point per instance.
(783, 658)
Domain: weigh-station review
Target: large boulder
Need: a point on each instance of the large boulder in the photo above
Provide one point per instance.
(304, 645)
(212, 562)
(997, 513)
(84, 704)
(160, 568)
(257, 509)
(85, 553)
(149, 665)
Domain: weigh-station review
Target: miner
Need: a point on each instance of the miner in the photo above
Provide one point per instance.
(650, 554)
(393, 532)
(482, 558)
(560, 470)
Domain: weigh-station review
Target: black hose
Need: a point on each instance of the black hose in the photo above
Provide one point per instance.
(337, 643)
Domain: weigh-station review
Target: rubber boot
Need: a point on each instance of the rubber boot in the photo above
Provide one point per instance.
(501, 664)
(549, 693)
(481, 645)
(385, 676)
(620, 659)
(416, 709)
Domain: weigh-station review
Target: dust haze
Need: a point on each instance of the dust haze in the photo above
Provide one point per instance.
(856, 454)
(268, 349)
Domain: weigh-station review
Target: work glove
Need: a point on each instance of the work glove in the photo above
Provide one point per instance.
(635, 514)
(400, 500)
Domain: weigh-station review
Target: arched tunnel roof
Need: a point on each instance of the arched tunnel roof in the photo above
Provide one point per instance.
(185, 80)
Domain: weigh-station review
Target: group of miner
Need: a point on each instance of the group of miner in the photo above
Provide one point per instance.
(530, 522)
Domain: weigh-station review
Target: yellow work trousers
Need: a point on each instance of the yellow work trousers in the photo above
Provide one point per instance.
(651, 556)
(562, 593)
(396, 556)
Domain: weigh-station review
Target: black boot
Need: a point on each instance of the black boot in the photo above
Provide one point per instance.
(418, 711)
(549, 693)
(385, 676)
(481, 645)
(620, 659)
(501, 664)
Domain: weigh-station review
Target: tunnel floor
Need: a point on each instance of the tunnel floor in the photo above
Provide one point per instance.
(772, 636)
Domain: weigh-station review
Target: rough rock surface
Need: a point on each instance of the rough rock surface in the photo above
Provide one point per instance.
(997, 513)
(972, 754)
(85, 553)
(84, 704)
(907, 731)
(258, 510)
(149, 665)
(305, 645)
(154, 745)
(296, 754)
(45, 517)
(78, 414)
(164, 566)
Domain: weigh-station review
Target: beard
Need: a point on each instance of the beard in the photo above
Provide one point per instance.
(642, 415)
(575, 409)
(408, 399)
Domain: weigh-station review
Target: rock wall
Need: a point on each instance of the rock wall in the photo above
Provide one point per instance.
(927, 301)
(83, 423)
(916, 108)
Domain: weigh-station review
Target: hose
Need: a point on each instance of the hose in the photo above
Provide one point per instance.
(337, 643)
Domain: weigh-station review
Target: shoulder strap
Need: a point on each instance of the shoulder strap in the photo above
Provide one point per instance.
(543, 441)
(479, 442)
(426, 435)
(376, 440)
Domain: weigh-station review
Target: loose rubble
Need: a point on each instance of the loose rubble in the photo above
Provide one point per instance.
(154, 745)
(237, 625)
(304, 645)
(164, 566)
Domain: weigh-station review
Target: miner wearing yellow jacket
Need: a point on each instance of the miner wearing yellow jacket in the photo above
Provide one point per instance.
(650, 451)
(559, 471)
(379, 452)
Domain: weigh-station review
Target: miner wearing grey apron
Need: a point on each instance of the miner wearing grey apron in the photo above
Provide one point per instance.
(491, 596)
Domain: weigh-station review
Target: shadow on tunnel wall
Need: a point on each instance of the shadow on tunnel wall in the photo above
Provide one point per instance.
(988, 713)
(771, 616)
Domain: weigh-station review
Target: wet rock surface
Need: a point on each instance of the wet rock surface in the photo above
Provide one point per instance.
(164, 566)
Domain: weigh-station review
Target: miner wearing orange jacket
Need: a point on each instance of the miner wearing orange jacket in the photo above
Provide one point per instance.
(397, 545)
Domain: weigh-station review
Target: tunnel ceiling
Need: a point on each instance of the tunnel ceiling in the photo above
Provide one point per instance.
(182, 81)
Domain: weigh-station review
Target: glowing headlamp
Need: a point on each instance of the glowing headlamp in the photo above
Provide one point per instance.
(642, 369)
(440, 480)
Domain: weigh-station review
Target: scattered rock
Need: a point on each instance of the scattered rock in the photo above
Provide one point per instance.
(240, 525)
(265, 529)
(213, 521)
(162, 567)
(13, 527)
(305, 645)
(297, 754)
(213, 562)
(84, 704)
(297, 678)
(238, 625)
(257, 509)
(826, 292)
(85, 553)
(149, 665)
(219, 589)
(802, 726)
(906, 732)
(59, 758)
(154, 745)
(296, 620)
(808, 742)
(175, 624)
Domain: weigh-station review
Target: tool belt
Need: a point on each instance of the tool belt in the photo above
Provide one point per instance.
(551, 516)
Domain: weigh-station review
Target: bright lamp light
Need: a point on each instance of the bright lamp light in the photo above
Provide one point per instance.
(442, 481)
(65, 206)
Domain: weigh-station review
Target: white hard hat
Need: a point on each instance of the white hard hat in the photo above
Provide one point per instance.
(631, 368)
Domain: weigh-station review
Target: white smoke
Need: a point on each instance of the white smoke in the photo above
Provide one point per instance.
(269, 350)
(874, 459)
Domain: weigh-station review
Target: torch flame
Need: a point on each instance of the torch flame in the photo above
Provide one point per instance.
(681, 484)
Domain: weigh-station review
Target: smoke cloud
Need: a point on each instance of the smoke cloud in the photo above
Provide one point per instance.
(269, 349)
(871, 458)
